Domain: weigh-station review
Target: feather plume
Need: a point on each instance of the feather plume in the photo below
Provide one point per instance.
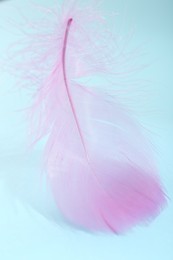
(98, 160)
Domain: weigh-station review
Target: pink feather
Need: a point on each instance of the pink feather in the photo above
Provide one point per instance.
(99, 162)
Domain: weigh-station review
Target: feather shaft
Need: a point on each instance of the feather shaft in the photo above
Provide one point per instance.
(66, 83)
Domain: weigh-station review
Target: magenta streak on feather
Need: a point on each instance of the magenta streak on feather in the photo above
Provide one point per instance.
(75, 116)
(66, 84)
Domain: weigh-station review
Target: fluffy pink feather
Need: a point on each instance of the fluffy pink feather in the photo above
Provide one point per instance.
(98, 161)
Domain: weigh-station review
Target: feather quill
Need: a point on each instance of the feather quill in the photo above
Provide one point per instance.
(98, 160)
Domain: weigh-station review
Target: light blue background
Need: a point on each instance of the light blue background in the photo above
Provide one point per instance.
(30, 228)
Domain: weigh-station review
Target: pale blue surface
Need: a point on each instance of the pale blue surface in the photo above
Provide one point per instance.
(31, 229)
